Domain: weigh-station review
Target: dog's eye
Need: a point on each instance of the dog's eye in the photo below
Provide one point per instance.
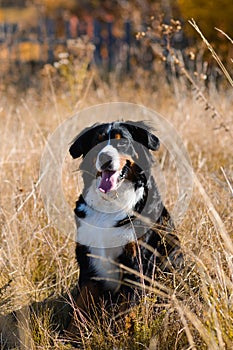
(123, 145)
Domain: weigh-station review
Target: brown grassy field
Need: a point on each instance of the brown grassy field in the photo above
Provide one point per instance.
(38, 262)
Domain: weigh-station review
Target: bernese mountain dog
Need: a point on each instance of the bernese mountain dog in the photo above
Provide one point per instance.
(124, 231)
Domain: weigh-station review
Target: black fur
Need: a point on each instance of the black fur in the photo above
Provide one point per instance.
(137, 140)
(138, 132)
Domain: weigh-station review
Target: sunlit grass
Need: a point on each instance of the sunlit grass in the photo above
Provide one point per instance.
(192, 309)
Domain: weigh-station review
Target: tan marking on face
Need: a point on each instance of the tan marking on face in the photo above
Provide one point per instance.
(117, 136)
(123, 159)
(100, 137)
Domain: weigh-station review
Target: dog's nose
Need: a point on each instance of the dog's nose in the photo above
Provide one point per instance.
(105, 161)
(108, 159)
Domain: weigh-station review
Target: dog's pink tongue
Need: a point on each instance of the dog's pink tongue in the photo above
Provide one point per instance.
(108, 181)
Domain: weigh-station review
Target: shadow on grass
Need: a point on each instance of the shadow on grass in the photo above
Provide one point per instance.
(18, 328)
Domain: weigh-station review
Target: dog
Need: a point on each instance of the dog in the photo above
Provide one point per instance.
(124, 231)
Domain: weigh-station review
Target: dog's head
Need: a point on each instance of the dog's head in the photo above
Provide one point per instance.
(114, 152)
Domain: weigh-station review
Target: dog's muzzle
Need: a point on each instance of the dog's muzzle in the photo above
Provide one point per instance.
(108, 159)
(108, 165)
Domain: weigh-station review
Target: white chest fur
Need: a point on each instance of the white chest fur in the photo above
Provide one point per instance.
(105, 243)
(97, 229)
(102, 212)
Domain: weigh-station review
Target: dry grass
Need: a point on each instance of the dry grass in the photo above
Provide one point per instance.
(37, 261)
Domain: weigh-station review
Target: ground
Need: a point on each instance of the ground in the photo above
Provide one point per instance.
(38, 261)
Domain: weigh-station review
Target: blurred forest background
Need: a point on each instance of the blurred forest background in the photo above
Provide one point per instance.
(105, 34)
(60, 56)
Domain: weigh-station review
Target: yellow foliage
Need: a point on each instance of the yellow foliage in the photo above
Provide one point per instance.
(18, 15)
(29, 51)
(53, 4)
(208, 14)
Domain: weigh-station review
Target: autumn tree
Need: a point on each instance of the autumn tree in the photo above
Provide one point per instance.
(208, 14)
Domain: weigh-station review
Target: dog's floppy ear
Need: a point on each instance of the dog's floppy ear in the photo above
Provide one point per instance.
(82, 143)
(140, 133)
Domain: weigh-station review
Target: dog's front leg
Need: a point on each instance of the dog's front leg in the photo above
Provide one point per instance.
(84, 305)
